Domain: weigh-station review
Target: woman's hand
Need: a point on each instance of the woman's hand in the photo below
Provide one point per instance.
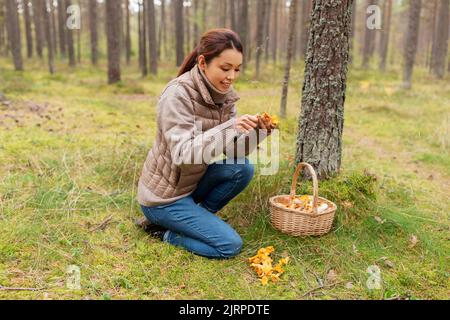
(265, 124)
(246, 123)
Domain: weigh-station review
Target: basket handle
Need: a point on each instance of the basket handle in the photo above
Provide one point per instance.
(300, 166)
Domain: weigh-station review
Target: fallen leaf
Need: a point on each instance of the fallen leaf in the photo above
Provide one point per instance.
(387, 262)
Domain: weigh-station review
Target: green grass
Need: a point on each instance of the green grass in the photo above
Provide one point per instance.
(72, 148)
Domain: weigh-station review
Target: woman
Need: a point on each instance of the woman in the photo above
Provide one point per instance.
(179, 191)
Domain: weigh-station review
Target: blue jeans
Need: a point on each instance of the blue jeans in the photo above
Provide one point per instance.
(191, 221)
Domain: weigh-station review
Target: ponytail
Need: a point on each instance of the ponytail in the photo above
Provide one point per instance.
(189, 62)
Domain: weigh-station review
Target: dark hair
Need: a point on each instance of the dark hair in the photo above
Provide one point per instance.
(212, 44)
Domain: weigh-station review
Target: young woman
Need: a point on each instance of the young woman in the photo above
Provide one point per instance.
(179, 191)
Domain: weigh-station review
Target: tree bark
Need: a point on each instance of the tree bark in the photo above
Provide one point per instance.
(412, 37)
(13, 27)
(127, 32)
(290, 49)
(243, 30)
(113, 29)
(93, 27)
(62, 28)
(179, 30)
(386, 29)
(162, 41)
(54, 28)
(187, 19)
(319, 140)
(232, 7)
(260, 22)
(28, 34)
(274, 42)
(196, 29)
(267, 30)
(69, 39)
(153, 47)
(304, 27)
(144, 38)
(352, 33)
(440, 54)
(38, 29)
(48, 35)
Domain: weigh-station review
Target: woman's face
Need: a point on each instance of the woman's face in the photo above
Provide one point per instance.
(223, 70)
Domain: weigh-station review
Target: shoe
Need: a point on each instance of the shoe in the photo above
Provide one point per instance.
(152, 229)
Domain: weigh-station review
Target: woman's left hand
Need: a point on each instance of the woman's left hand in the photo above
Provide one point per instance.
(264, 124)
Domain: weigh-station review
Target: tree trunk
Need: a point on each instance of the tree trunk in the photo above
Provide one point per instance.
(179, 30)
(54, 31)
(384, 39)
(267, 30)
(243, 30)
(196, 29)
(62, 28)
(140, 51)
(38, 29)
(127, 32)
(93, 31)
(153, 58)
(162, 42)
(412, 37)
(48, 35)
(290, 49)
(274, 42)
(13, 27)
(352, 33)
(69, 39)
(28, 34)
(187, 19)
(369, 40)
(261, 14)
(113, 29)
(3, 44)
(144, 38)
(232, 6)
(439, 59)
(321, 120)
(305, 16)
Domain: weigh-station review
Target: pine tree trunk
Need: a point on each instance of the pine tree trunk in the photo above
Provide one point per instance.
(290, 49)
(69, 39)
(305, 16)
(162, 28)
(93, 31)
(179, 30)
(352, 33)
(144, 38)
(62, 28)
(439, 59)
(140, 36)
(412, 37)
(151, 18)
(260, 22)
(38, 29)
(196, 30)
(187, 18)
(113, 29)
(384, 39)
(54, 29)
(243, 30)
(2, 29)
(48, 35)
(369, 40)
(267, 30)
(232, 6)
(127, 32)
(274, 43)
(319, 140)
(28, 34)
(13, 27)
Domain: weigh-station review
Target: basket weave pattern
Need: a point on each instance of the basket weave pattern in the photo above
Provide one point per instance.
(301, 223)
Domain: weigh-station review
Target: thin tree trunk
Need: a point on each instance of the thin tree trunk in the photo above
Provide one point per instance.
(127, 32)
(153, 47)
(93, 31)
(290, 49)
(274, 47)
(3, 45)
(69, 39)
(13, 28)
(54, 29)
(384, 40)
(232, 6)
(38, 29)
(321, 120)
(261, 14)
(369, 40)
(412, 37)
(438, 66)
(141, 64)
(113, 29)
(187, 20)
(243, 31)
(204, 14)
(48, 35)
(62, 28)
(306, 11)
(352, 33)
(267, 30)
(162, 29)
(179, 30)
(28, 34)
(196, 29)
(144, 38)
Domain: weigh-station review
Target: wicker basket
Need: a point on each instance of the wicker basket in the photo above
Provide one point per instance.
(300, 223)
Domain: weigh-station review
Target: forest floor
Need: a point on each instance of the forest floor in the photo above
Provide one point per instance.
(72, 148)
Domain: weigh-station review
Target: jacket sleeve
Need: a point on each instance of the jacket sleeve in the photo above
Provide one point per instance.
(186, 141)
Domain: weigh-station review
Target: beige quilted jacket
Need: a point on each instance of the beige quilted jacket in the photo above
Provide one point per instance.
(184, 105)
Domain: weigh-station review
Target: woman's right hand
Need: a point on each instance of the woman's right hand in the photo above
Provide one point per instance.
(246, 123)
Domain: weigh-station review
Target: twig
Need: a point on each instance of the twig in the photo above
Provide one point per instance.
(2, 288)
(320, 287)
(102, 225)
